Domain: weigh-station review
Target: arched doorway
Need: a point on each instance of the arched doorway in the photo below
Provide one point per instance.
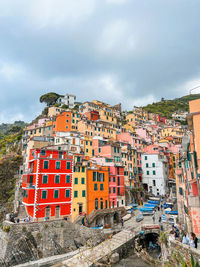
(116, 217)
(47, 212)
(57, 212)
(96, 204)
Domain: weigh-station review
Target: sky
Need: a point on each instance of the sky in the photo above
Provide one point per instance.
(132, 52)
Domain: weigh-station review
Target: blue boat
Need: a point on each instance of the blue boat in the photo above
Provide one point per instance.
(150, 205)
(168, 205)
(172, 212)
(99, 227)
(153, 202)
(146, 209)
(133, 204)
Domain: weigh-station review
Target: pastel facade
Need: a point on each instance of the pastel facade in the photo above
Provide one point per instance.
(68, 100)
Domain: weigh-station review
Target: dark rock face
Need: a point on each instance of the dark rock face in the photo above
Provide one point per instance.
(32, 241)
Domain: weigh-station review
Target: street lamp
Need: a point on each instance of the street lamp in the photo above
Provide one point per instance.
(194, 88)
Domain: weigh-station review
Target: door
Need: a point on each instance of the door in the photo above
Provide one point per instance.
(47, 212)
(57, 212)
(80, 208)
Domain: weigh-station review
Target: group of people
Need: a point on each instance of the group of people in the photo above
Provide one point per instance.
(186, 238)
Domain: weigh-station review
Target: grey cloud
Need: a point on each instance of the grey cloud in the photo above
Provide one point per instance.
(128, 51)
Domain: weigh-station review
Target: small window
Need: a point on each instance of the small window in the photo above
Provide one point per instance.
(154, 172)
(147, 172)
(109, 190)
(101, 187)
(83, 169)
(68, 165)
(154, 182)
(153, 165)
(56, 193)
(45, 179)
(75, 193)
(57, 179)
(113, 179)
(83, 193)
(114, 190)
(94, 176)
(147, 165)
(68, 179)
(145, 157)
(82, 180)
(76, 181)
(57, 165)
(95, 187)
(67, 193)
(46, 164)
(44, 194)
(43, 152)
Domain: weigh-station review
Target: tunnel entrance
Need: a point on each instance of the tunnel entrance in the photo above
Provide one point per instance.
(149, 242)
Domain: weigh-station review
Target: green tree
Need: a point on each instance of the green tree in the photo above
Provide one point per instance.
(49, 98)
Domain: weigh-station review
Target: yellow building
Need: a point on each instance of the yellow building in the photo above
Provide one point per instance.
(172, 131)
(131, 119)
(88, 146)
(53, 111)
(79, 205)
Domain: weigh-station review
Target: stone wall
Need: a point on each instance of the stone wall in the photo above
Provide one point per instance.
(31, 241)
(177, 249)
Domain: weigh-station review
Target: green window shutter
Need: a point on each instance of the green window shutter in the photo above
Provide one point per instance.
(114, 190)
(24, 193)
(44, 194)
(109, 190)
(95, 187)
(75, 193)
(43, 152)
(101, 187)
(57, 165)
(31, 179)
(57, 179)
(109, 179)
(113, 179)
(45, 164)
(56, 193)
(76, 181)
(83, 193)
(68, 179)
(154, 172)
(153, 164)
(147, 172)
(68, 165)
(145, 157)
(82, 180)
(147, 165)
(83, 169)
(45, 179)
(67, 193)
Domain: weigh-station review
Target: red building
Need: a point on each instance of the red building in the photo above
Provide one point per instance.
(116, 187)
(48, 184)
(93, 115)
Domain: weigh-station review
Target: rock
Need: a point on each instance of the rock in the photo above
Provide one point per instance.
(114, 258)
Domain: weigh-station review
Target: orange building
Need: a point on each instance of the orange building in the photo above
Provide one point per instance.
(65, 122)
(97, 188)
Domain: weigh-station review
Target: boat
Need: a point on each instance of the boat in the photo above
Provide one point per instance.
(148, 213)
(168, 205)
(146, 209)
(172, 212)
(154, 198)
(153, 202)
(126, 217)
(98, 227)
(148, 205)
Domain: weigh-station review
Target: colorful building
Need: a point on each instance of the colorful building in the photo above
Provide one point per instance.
(47, 184)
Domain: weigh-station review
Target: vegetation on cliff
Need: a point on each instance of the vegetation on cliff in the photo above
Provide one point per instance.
(49, 98)
(167, 107)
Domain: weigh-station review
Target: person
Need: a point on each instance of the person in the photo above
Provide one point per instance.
(195, 241)
(158, 208)
(153, 218)
(185, 239)
(176, 232)
(18, 220)
(122, 222)
(192, 244)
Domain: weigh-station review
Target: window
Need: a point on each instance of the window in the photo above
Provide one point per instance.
(147, 165)
(67, 193)
(147, 172)
(109, 179)
(83, 169)
(106, 204)
(31, 179)
(44, 194)
(154, 182)
(68, 179)
(68, 165)
(83, 193)
(154, 172)
(114, 190)
(76, 181)
(57, 165)
(95, 187)
(113, 179)
(45, 164)
(57, 179)
(109, 190)
(82, 180)
(101, 187)
(86, 150)
(153, 165)
(45, 179)
(56, 193)
(94, 176)
(145, 157)
(43, 152)
(75, 193)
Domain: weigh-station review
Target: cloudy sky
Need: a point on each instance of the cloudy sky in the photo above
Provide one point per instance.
(128, 51)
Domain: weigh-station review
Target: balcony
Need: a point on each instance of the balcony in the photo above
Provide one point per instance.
(194, 201)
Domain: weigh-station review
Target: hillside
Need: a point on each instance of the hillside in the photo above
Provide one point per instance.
(167, 107)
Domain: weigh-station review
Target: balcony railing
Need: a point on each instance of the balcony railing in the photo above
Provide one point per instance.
(194, 201)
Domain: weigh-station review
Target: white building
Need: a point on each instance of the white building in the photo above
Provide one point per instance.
(67, 100)
(155, 173)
